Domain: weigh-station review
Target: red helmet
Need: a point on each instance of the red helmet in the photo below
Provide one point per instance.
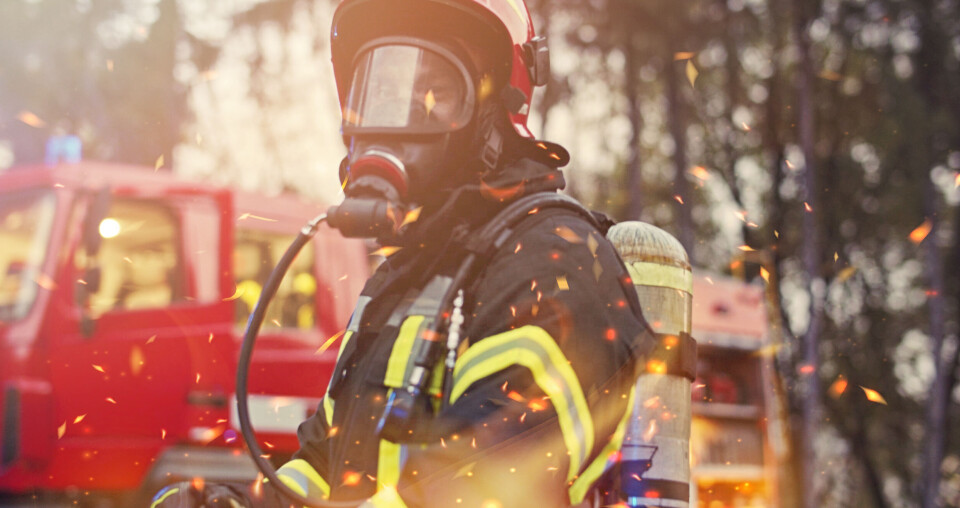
(501, 27)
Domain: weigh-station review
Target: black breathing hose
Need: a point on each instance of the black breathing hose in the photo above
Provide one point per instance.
(243, 369)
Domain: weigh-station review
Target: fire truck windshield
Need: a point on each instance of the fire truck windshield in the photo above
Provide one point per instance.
(26, 219)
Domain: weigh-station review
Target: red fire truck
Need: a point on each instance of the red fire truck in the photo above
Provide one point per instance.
(123, 296)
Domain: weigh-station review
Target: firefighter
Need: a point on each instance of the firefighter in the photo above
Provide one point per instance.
(435, 96)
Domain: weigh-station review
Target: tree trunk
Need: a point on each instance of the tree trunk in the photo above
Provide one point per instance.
(634, 177)
(811, 254)
(677, 125)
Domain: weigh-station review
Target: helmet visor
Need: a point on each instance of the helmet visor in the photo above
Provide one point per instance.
(400, 88)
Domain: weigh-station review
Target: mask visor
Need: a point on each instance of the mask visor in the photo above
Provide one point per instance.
(406, 89)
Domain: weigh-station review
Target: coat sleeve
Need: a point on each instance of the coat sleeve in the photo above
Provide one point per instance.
(541, 395)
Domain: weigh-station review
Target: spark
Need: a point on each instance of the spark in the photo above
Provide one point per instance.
(151, 339)
(385, 251)
(568, 234)
(745, 126)
(789, 164)
(31, 119)
(611, 334)
(158, 164)
(99, 368)
(268, 444)
(537, 405)
(411, 216)
(746, 248)
(678, 198)
(111, 400)
(846, 273)
(873, 396)
(236, 294)
(709, 280)
(246, 216)
(534, 211)
(210, 338)
(61, 430)
(692, 72)
(257, 487)
(956, 181)
(806, 369)
(343, 278)
(562, 283)
(429, 101)
(197, 483)
(699, 172)
(838, 387)
(523, 417)
(513, 310)
(656, 367)
(517, 249)
(765, 274)
(921, 232)
(443, 443)
(198, 377)
(44, 281)
(473, 443)
(683, 55)
(516, 396)
(329, 342)
(163, 433)
(651, 431)
(333, 431)
(79, 418)
(830, 75)
(652, 402)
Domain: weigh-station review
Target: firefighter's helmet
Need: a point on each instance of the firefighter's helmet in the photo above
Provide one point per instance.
(503, 29)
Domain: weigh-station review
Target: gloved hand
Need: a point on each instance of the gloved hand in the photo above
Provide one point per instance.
(200, 495)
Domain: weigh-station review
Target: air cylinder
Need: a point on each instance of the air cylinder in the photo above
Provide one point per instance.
(655, 457)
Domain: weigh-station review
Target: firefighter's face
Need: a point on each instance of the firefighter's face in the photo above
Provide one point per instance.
(415, 101)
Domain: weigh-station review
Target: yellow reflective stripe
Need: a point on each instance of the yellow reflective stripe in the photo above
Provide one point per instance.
(402, 347)
(162, 498)
(386, 497)
(388, 465)
(327, 399)
(328, 410)
(300, 476)
(644, 273)
(596, 468)
(343, 343)
(532, 347)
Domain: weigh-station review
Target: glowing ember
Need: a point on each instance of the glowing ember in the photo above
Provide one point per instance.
(765, 274)
(807, 207)
(31, 119)
(921, 232)
(329, 342)
(873, 396)
(651, 431)
(79, 418)
(656, 367)
(678, 198)
(562, 283)
(699, 172)
(429, 101)
(61, 430)
(98, 368)
(683, 55)
(385, 251)
(111, 400)
(568, 234)
(411, 216)
(838, 387)
(158, 164)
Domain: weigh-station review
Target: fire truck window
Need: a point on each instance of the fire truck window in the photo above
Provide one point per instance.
(25, 222)
(139, 258)
(254, 256)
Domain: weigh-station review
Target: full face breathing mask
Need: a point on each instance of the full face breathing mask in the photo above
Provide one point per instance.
(405, 120)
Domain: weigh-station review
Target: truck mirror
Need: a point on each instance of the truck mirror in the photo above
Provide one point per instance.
(91, 226)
